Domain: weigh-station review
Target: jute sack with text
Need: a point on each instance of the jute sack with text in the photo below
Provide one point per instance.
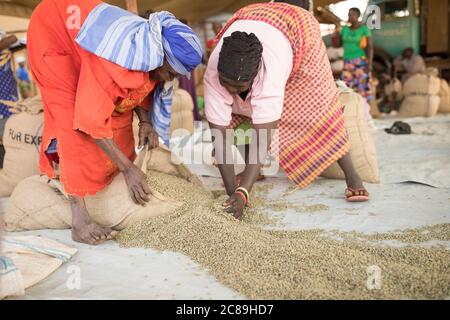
(363, 152)
(22, 140)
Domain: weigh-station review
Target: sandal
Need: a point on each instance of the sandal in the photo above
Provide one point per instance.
(356, 195)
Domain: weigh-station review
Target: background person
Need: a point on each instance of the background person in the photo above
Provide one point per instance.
(358, 55)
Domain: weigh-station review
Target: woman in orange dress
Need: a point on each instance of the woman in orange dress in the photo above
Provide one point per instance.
(95, 64)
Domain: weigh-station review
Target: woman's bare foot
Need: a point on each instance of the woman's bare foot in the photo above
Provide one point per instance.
(84, 230)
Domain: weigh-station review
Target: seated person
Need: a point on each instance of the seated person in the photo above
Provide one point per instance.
(409, 64)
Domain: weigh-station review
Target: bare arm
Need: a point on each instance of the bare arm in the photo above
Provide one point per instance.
(114, 153)
(142, 114)
(369, 53)
(7, 41)
(222, 148)
(261, 139)
(146, 131)
(338, 35)
(134, 177)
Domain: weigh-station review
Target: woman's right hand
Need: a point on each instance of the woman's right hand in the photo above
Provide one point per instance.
(137, 184)
(235, 205)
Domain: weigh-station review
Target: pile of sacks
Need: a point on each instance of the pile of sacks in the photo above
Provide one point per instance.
(182, 118)
(423, 95)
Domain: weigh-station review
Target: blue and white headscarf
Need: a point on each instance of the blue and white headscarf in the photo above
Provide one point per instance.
(139, 44)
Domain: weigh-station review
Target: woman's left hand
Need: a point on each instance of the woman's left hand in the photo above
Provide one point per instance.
(146, 131)
(235, 205)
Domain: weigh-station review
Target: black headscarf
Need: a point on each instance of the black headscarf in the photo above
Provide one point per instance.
(240, 56)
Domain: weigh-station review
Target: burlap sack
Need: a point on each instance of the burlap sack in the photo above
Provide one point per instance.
(419, 106)
(22, 140)
(374, 111)
(163, 160)
(38, 203)
(27, 260)
(182, 114)
(394, 86)
(422, 84)
(444, 94)
(31, 105)
(363, 151)
(432, 71)
(199, 75)
(421, 96)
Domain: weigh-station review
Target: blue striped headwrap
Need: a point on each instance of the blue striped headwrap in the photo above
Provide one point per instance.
(139, 44)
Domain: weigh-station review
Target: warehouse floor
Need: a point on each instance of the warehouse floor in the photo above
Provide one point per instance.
(415, 192)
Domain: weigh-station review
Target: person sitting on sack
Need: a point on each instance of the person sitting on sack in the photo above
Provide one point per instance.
(409, 64)
(270, 69)
(94, 66)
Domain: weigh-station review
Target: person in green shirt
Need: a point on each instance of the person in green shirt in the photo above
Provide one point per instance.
(358, 54)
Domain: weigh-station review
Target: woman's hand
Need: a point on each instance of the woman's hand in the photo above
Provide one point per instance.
(137, 184)
(235, 205)
(146, 132)
(134, 177)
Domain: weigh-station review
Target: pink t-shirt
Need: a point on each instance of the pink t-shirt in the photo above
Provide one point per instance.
(264, 102)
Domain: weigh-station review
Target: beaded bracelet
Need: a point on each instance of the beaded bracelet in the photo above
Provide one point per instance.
(242, 196)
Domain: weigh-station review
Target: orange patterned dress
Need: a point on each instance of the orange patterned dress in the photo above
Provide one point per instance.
(85, 98)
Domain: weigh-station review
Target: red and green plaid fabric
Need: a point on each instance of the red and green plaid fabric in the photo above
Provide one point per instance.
(311, 133)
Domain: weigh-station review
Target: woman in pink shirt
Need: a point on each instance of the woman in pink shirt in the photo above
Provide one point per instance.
(270, 68)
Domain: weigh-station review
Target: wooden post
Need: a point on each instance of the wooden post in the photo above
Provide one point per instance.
(132, 6)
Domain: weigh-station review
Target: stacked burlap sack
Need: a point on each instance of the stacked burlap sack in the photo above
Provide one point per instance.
(394, 86)
(182, 118)
(27, 260)
(444, 94)
(22, 140)
(40, 203)
(421, 96)
(363, 151)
